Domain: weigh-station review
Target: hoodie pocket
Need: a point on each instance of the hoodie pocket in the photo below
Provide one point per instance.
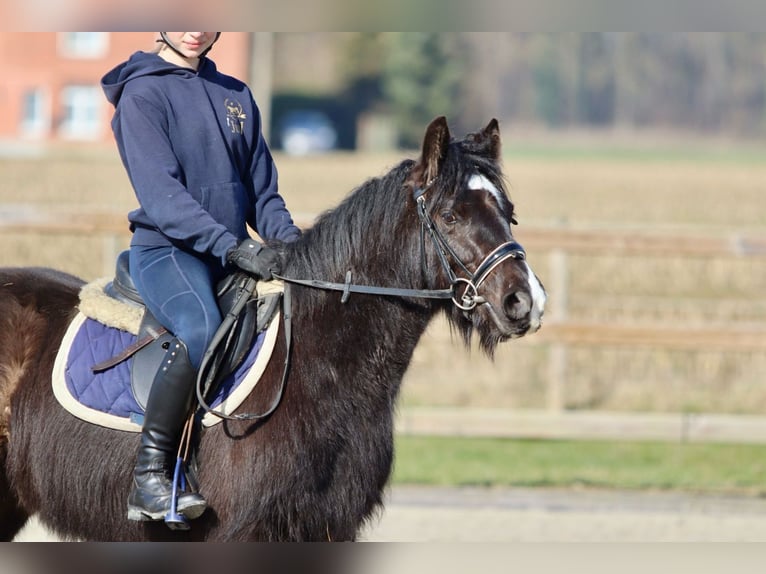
(227, 204)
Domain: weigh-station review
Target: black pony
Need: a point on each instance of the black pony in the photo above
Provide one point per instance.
(435, 231)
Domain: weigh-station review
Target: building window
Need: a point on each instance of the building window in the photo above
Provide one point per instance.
(81, 112)
(83, 44)
(35, 113)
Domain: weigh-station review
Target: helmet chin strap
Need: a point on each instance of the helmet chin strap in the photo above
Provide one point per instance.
(165, 40)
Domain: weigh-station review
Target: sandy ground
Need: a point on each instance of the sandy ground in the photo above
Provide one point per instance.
(415, 514)
(531, 515)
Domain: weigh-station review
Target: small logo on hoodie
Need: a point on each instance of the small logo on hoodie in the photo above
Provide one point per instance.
(235, 117)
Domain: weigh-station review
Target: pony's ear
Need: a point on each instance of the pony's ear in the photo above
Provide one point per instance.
(491, 135)
(435, 144)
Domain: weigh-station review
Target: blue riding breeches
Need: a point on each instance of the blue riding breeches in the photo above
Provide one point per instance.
(178, 288)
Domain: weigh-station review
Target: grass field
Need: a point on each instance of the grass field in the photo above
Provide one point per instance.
(704, 468)
(714, 189)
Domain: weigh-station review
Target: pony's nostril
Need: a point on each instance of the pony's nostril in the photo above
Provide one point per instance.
(517, 305)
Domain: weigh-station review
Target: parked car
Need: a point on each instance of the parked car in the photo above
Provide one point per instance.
(304, 132)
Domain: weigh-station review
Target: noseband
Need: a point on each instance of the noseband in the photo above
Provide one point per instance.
(470, 297)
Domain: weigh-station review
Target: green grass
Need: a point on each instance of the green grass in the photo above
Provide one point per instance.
(713, 468)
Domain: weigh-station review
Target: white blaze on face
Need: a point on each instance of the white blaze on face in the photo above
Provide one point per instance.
(479, 182)
(538, 300)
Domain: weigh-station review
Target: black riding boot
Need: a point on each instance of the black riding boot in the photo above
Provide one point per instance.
(167, 409)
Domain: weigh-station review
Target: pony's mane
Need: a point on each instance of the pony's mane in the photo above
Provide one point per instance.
(378, 220)
(342, 234)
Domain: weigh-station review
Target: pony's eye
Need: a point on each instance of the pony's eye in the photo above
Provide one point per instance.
(513, 220)
(448, 217)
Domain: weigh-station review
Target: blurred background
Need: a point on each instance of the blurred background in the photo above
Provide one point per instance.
(636, 161)
(377, 90)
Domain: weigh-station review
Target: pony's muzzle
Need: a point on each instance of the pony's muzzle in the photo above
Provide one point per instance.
(517, 305)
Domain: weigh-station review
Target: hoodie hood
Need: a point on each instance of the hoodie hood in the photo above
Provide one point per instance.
(143, 64)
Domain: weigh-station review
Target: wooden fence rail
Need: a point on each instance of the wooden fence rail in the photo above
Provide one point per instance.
(567, 239)
(581, 425)
(548, 239)
(736, 337)
(633, 242)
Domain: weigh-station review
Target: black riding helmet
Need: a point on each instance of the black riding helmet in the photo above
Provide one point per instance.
(164, 39)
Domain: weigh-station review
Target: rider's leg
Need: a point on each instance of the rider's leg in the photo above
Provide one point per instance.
(177, 288)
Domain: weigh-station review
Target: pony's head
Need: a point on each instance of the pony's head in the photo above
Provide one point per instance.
(466, 221)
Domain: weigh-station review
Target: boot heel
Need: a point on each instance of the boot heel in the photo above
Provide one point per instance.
(141, 515)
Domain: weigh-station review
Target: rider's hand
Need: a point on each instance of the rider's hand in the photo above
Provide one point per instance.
(255, 258)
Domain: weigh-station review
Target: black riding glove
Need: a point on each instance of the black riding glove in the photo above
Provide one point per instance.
(255, 258)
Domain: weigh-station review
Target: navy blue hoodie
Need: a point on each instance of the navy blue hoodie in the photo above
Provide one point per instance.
(192, 145)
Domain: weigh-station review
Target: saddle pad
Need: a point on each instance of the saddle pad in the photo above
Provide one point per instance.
(106, 398)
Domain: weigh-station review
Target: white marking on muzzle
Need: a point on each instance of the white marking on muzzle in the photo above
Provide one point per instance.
(538, 300)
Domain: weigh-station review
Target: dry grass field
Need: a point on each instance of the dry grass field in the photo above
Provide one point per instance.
(713, 191)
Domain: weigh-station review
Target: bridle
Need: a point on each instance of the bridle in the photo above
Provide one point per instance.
(470, 297)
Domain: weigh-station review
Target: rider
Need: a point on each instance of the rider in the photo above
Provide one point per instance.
(190, 139)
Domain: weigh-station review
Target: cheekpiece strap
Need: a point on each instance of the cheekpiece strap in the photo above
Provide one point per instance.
(419, 192)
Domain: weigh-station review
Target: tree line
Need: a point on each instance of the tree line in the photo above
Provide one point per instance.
(706, 82)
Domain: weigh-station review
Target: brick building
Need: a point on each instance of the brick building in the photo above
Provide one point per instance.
(50, 89)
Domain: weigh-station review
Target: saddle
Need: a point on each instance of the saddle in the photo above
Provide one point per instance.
(245, 316)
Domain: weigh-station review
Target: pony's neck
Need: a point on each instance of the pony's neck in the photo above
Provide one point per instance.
(372, 235)
(367, 343)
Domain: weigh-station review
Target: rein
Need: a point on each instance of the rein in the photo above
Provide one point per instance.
(206, 379)
(348, 287)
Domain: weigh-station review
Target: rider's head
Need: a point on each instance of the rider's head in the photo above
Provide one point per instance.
(189, 46)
